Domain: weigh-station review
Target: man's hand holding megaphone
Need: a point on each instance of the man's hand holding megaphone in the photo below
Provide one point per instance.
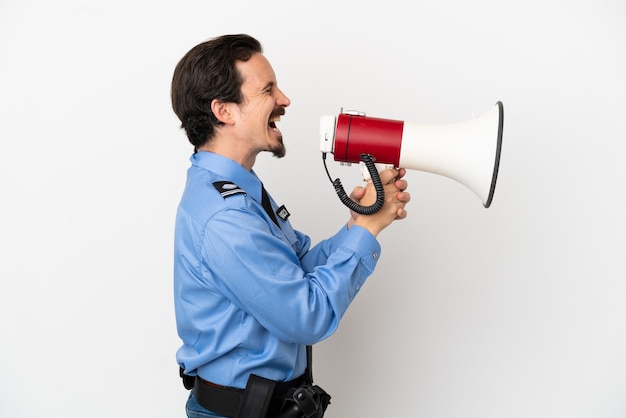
(393, 208)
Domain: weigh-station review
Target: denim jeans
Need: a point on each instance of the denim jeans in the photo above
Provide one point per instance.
(195, 410)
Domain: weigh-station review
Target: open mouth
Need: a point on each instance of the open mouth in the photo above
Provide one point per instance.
(272, 122)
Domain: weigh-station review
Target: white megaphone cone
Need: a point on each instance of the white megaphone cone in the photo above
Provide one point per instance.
(468, 152)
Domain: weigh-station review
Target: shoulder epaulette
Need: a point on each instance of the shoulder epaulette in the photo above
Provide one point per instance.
(228, 188)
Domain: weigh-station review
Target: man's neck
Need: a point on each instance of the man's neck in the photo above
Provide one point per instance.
(230, 148)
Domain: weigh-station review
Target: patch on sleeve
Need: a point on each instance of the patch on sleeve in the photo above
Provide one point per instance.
(228, 188)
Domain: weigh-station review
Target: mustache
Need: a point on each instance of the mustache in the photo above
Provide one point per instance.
(279, 111)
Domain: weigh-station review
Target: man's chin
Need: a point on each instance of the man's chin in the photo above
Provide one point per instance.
(278, 150)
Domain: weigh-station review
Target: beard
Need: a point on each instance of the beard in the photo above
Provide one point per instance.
(279, 150)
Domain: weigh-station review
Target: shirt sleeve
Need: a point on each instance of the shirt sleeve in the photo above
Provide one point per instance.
(299, 295)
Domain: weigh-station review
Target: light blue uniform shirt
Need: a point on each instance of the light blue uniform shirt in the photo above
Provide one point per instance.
(249, 296)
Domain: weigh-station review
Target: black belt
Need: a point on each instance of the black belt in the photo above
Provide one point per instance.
(234, 402)
(227, 400)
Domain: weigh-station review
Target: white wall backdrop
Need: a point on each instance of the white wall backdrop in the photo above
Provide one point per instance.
(514, 311)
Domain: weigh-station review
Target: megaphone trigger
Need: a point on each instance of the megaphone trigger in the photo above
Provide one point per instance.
(365, 174)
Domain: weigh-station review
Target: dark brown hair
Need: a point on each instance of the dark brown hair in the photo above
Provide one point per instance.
(205, 73)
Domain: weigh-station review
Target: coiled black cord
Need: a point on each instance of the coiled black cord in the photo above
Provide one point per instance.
(378, 185)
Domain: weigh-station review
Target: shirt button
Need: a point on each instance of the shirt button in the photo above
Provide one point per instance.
(375, 256)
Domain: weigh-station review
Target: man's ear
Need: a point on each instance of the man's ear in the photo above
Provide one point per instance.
(222, 111)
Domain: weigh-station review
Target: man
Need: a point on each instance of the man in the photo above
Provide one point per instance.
(250, 292)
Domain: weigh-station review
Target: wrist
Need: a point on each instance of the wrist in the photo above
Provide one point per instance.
(372, 227)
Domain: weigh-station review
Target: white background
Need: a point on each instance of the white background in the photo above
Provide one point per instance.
(514, 311)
